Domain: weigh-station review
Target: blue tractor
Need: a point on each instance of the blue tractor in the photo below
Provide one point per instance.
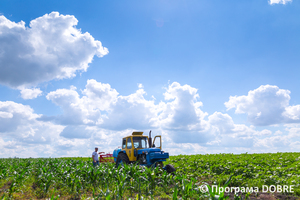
(139, 148)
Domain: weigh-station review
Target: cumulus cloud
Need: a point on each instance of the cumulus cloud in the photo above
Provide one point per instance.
(265, 105)
(22, 134)
(287, 140)
(6, 114)
(14, 114)
(99, 116)
(76, 110)
(264, 132)
(182, 112)
(78, 131)
(186, 148)
(292, 113)
(132, 111)
(223, 123)
(279, 1)
(50, 48)
(101, 105)
(179, 117)
(19, 128)
(100, 94)
(30, 93)
(229, 134)
(293, 130)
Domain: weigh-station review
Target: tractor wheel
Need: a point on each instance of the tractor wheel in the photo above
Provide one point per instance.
(170, 168)
(121, 159)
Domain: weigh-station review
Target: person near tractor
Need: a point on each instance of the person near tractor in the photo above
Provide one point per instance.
(95, 157)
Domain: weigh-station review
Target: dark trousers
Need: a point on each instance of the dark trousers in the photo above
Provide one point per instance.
(96, 163)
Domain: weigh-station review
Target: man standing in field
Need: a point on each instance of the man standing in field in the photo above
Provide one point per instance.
(95, 157)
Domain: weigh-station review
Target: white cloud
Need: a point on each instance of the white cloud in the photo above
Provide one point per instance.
(264, 132)
(223, 126)
(292, 112)
(50, 48)
(229, 134)
(119, 112)
(140, 85)
(77, 131)
(22, 130)
(293, 130)
(13, 115)
(6, 114)
(265, 105)
(100, 116)
(223, 123)
(131, 112)
(278, 132)
(279, 1)
(100, 94)
(21, 120)
(182, 109)
(103, 107)
(77, 111)
(30, 93)
(185, 149)
(274, 143)
(179, 117)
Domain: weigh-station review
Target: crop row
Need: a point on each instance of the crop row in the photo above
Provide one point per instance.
(253, 170)
(41, 178)
(74, 178)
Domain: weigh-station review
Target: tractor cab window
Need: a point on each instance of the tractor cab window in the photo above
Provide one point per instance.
(140, 142)
(124, 143)
(129, 143)
(157, 143)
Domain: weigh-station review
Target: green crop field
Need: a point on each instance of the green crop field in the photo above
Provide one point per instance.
(76, 178)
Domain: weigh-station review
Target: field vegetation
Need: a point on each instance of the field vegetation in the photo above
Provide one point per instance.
(76, 178)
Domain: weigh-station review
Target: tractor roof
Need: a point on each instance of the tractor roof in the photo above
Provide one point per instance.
(137, 133)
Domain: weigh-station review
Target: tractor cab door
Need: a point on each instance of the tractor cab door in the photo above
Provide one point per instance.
(130, 149)
(157, 142)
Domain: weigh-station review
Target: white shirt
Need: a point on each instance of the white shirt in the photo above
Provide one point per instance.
(95, 156)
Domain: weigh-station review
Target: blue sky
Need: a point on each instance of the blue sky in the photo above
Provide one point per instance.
(210, 76)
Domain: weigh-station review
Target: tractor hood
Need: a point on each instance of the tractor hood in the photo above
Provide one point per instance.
(148, 150)
(154, 154)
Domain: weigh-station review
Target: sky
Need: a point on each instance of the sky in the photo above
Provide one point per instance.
(208, 76)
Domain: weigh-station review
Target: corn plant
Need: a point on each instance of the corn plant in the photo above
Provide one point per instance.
(217, 195)
(77, 178)
(121, 184)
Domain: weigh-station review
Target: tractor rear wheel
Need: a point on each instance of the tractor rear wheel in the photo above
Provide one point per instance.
(170, 168)
(121, 159)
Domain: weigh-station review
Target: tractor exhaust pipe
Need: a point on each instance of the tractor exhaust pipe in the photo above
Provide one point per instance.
(150, 140)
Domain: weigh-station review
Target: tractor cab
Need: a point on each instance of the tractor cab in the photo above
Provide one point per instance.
(135, 142)
(139, 148)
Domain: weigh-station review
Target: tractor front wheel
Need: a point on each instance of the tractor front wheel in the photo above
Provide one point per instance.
(121, 159)
(170, 168)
